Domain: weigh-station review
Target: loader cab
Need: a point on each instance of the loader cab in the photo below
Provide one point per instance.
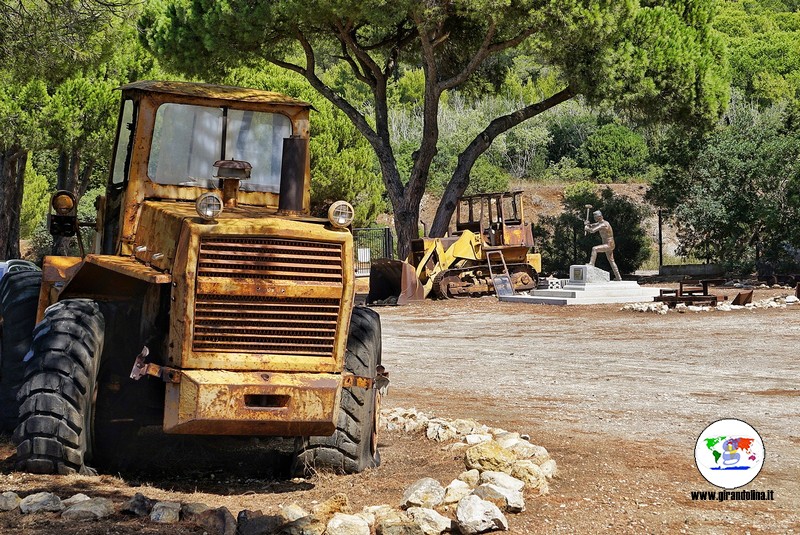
(497, 217)
(176, 141)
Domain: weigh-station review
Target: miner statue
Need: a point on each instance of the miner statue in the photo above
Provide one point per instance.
(607, 234)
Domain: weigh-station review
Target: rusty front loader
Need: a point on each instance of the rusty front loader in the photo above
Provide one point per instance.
(213, 303)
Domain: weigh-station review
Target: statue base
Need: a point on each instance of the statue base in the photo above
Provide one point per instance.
(587, 285)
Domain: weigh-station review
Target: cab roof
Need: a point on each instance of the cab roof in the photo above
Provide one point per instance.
(213, 91)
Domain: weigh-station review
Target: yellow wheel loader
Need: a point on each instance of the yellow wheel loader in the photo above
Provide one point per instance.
(212, 304)
(491, 237)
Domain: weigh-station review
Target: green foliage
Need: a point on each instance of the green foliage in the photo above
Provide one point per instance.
(48, 40)
(739, 203)
(580, 194)
(566, 170)
(21, 106)
(614, 153)
(82, 114)
(570, 126)
(35, 201)
(763, 40)
(564, 242)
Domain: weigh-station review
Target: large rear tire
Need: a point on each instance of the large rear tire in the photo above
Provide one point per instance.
(19, 297)
(353, 447)
(56, 419)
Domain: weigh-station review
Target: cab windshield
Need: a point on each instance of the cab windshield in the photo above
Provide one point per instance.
(188, 139)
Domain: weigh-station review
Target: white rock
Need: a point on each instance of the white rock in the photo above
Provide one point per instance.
(342, 524)
(41, 502)
(549, 468)
(467, 427)
(91, 509)
(456, 490)
(369, 518)
(292, 512)
(440, 431)
(525, 450)
(508, 500)
(75, 498)
(489, 456)
(529, 472)
(791, 299)
(9, 501)
(507, 439)
(474, 515)
(477, 439)
(502, 479)
(166, 512)
(425, 492)
(380, 511)
(470, 477)
(431, 522)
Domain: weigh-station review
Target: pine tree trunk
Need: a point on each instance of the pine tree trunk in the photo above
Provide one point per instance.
(12, 180)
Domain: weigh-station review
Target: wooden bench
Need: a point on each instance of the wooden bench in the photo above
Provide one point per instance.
(691, 292)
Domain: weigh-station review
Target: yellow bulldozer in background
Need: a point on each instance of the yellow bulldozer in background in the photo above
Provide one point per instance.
(491, 238)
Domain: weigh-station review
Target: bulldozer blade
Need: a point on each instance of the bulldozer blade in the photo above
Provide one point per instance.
(393, 282)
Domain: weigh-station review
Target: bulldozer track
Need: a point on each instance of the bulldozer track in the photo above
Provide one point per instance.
(523, 277)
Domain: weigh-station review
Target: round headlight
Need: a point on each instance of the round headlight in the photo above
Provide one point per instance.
(208, 205)
(340, 214)
(63, 202)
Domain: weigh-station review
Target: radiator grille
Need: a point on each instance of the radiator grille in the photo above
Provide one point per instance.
(270, 258)
(267, 324)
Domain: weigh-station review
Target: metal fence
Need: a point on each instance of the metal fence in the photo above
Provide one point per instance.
(370, 244)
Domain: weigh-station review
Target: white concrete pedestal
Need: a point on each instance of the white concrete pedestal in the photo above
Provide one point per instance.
(587, 285)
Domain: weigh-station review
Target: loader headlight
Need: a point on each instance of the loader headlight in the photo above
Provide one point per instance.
(63, 202)
(208, 205)
(340, 214)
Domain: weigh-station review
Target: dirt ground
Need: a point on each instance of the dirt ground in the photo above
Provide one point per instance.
(617, 397)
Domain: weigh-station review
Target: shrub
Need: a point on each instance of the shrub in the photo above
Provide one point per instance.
(614, 154)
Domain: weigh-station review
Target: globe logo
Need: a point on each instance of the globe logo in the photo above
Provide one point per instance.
(729, 453)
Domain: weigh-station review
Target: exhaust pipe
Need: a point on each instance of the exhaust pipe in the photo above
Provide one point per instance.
(293, 174)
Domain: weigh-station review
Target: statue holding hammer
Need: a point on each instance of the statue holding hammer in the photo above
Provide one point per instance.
(607, 234)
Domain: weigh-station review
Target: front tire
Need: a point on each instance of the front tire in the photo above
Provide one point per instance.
(56, 419)
(19, 297)
(353, 446)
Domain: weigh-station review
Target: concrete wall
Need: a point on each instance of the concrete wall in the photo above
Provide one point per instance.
(692, 270)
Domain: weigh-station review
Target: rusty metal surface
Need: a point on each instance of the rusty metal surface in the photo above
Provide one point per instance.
(393, 282)
(245, 301)
(252, 403)
(142, 368)
(129, 267)
(213, 91)
(349, 381)
(56, 272)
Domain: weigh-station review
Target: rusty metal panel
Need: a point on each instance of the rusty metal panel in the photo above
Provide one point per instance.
(270, 258)
(261, 294)
(129, 267)
(213, 91)
(252, 403)
(56, 272)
